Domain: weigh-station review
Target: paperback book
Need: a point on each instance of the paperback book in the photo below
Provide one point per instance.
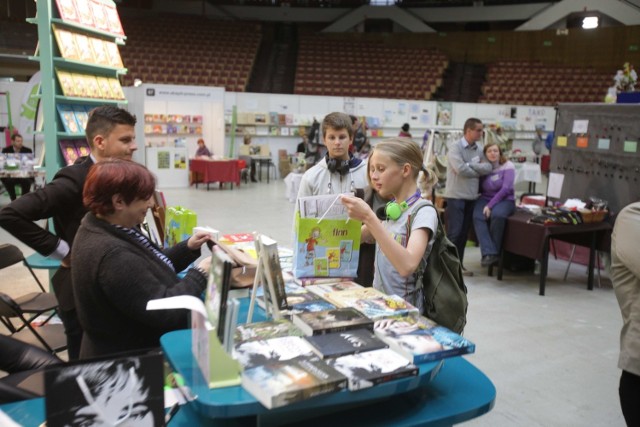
(80, 84)
(116, 89)
(66, 83)
(323, 289)
(99, 51)
(115, 26)
(67, 10)
(84, 13)
(99, 16)
(84, 48)
(261, 331)
(261, 352)
(69, 151)
(421, 340)
(68, 118)
(372, 303)
(66, 43)
(371, 368)
(272, 271)
(280, 383)
(338, 344)
(81, 115)
(217, 291)
(336, 320)
(113, 54)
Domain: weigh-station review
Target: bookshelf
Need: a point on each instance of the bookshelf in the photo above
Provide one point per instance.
(80, 65)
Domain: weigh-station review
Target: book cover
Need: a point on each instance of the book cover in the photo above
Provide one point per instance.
(261, 331)
(84, 13)
(93, 89)
(311, 306)
(99, 50)
(116, 89)
(82, 147)
(281, 383)
(81, 115)
(85, 53)
(273, 272)
(336, 320)
(218, 286)
(105, 88)
(370, 368)
(69, 151)
(67, 10)
(372, 303)
(261, 352)
(66, 83)
(80, 82)
(421, 340)
(322, 289)
(113, 54)
(66, 43)
(115, 26)
(100, 20)
(67, 118)
(338, 344)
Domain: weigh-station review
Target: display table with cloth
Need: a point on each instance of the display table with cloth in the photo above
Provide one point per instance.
(531, 240)
(208, 171)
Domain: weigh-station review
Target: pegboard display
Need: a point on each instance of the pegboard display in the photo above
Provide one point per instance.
(595, 153)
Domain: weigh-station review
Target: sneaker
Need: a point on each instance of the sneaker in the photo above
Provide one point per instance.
(466, 272)
(489, 260)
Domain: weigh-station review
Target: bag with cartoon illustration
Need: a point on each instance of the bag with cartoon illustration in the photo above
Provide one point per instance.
(327, 243)
(179, 223)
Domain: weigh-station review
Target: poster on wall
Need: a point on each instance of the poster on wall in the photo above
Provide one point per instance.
(349, 105)
(179, 160)
(164, 160)
(445, 114)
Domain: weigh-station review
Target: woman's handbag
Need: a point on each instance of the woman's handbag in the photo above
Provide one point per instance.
(244, 271)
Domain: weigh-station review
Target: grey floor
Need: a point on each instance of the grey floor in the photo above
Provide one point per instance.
(553, 359)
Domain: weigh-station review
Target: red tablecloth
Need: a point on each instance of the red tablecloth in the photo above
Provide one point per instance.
(216, 170)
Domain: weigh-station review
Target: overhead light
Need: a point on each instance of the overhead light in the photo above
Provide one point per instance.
(137, 82)
(590, 22)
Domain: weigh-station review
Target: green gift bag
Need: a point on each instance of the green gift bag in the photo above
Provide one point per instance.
(179, 223)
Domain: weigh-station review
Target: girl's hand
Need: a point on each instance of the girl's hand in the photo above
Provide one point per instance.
(357, 208)
(487, 212)
(197, 240)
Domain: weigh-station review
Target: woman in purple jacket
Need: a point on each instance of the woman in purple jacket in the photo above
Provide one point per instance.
(495, 204)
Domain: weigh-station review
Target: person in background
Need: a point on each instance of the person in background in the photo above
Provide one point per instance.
(495, 204)
(16, 147)
(202, 150)
(302, 146)
(396, 171)
(117, 270)
(548, 141)
(338, 171)
(466, 164)
(538, 142)
(245, 152)
(625, 276)
(110, 133)
(360, 139)
(404, 131)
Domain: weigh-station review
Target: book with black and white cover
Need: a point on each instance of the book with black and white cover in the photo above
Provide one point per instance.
(336, 320)
(281, 383)
(266, 330)
(420, 339)
(272, 271)
(218, 286)
(260, 352)
(338, 344)
(372, 303)
(371, 368)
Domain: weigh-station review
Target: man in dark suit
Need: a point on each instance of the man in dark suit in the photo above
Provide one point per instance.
(10, 183)
(110, 133)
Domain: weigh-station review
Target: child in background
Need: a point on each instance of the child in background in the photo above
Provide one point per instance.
(396, 172)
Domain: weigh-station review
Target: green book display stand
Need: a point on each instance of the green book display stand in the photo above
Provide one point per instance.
(224, 371)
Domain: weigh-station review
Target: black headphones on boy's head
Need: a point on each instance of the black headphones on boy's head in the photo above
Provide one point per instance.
(337, 165)
(393, 210)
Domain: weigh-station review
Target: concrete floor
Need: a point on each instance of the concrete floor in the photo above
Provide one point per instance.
(553, 359)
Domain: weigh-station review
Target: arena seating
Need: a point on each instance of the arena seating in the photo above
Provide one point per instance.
(534, 83)
(329, 66)
(190, 50)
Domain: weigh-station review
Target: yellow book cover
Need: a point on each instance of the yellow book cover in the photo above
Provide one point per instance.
(99, 50)
(80, 83)
(113, 53)
(93, 89)
(84, 48)
(105, 87)
(66, 83)
(66, 43)
(116, 89)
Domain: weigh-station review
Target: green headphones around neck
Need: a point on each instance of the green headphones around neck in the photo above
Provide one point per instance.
(393, 210)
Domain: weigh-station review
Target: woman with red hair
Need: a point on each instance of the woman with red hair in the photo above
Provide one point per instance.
(117, 270)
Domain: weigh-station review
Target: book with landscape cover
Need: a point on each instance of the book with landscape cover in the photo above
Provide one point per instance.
(260, 352)
(272, 271)
(218, 286)
(279, 383)
(372, 303)
(371, 368)
(338, 344)
(266, 330)
(66, 43)
(67, 118)
(323, 289)
(336, 320)
(421, 340)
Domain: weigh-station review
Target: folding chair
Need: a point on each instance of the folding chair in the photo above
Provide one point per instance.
(26, 309)
(11, 255)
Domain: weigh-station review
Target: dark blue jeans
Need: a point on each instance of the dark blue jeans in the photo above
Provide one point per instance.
(459, 215)
(490, 231)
